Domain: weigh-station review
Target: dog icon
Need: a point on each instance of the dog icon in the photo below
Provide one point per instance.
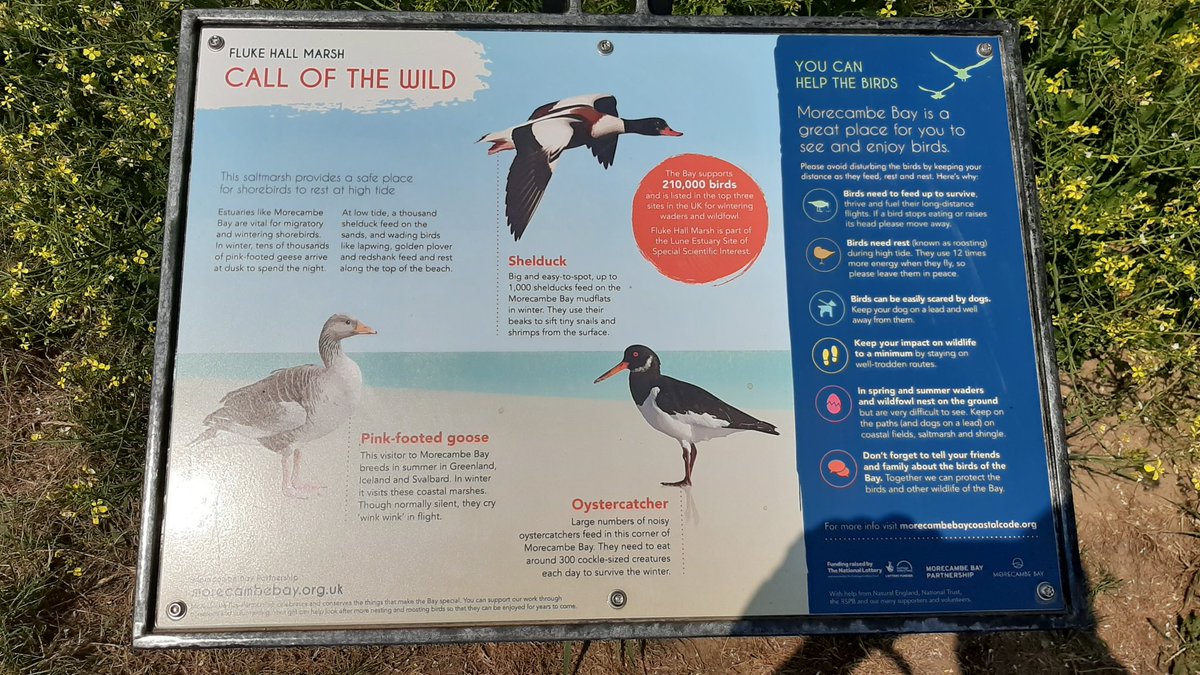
(825, 308)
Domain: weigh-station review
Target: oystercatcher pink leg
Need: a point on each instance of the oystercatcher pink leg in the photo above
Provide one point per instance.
(687, 467)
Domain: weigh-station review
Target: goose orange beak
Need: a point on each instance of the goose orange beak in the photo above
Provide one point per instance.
(364, 329)
(612, 371)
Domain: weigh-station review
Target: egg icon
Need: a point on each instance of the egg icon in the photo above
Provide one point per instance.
(833, 404)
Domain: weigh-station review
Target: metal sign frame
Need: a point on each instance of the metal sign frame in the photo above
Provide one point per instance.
(146, 634)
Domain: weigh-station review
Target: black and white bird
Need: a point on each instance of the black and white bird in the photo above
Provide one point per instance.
(297, 405)
(553, 128)
(680, 409)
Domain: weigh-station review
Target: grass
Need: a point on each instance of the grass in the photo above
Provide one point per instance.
(86, 94)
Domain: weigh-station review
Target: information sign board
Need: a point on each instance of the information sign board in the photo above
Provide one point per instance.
(479, 328)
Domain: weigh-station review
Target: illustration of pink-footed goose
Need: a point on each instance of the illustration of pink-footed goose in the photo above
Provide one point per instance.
(297, 405)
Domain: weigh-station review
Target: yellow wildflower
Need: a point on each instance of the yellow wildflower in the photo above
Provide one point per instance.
(1154, 470)
(1030, 25)
(92, 53)
(1083, 130)
(887, 11)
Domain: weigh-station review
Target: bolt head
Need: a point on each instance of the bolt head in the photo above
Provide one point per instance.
(618, 599)
(216, 42)
(176, 610)
(605, 47)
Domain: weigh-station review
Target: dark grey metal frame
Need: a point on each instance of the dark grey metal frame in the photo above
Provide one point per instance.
(147, 635)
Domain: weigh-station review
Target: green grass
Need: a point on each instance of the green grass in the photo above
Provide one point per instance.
(86, 95)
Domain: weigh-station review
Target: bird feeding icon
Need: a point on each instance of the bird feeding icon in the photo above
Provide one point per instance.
(820, 205)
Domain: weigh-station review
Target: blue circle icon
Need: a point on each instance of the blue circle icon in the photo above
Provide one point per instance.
(838, 469)
(830, 355)
(820, 205)
(827, 308)
(834, 403)
(824, 255)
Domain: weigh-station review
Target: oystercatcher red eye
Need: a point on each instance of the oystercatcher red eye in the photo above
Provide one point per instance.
(635, 354)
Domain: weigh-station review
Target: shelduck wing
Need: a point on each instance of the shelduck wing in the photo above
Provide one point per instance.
(543, 110)
(538, 146)
(604, 149)
(605, 103)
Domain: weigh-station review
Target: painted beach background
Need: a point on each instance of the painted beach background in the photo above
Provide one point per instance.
(554, 438)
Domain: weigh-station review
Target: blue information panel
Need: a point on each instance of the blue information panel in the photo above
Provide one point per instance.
(475, 333)
(924, 472)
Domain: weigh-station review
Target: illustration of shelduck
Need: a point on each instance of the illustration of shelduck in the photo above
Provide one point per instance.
(961, 73)
(680, 409)
(297, 405)
(553, 128)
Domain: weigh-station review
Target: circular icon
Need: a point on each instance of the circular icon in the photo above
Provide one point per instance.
(830, 355)
(834, 404)
(617, 599)
(1017, 563)
(216, 42)
(820, 205)
(984, 50)
(838, 469)
(827, 308)
(1046, 591)
(823, 254)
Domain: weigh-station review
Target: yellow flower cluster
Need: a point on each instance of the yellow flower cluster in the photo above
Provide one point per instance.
(1031, 27)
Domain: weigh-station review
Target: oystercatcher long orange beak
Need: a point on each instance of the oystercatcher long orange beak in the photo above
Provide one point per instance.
(612, 371)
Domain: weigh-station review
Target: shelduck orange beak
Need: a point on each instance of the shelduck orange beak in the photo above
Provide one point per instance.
(670, 132)
(612, 371)
(364, 329)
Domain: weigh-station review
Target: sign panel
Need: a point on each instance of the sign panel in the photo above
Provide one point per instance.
(478, 334)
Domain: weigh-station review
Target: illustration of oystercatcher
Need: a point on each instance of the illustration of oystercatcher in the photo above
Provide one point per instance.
(553, 128)
(679, 409)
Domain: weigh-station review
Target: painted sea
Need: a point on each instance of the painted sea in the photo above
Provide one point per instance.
(760, 380)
